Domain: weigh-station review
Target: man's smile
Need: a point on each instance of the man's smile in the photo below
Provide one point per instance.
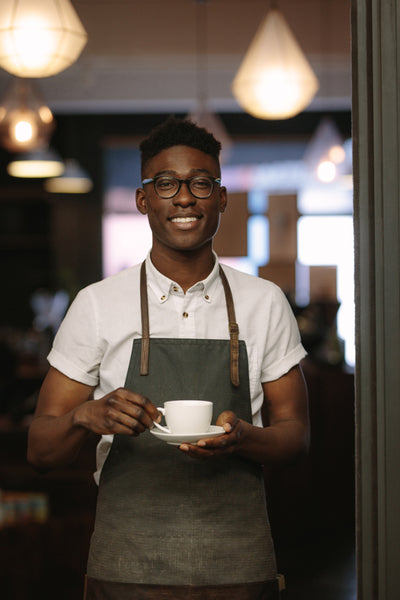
(183, 219)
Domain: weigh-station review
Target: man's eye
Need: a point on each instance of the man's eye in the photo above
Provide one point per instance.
(201, 183)
(166, 184)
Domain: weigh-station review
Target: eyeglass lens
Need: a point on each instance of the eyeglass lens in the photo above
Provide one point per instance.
(200, 187)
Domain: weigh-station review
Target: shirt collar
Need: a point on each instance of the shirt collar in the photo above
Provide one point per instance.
(163, 287)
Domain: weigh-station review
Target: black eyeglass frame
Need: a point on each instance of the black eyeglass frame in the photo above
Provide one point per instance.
(154, 180)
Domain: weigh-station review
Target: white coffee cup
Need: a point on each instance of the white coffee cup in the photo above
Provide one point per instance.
(186, 416)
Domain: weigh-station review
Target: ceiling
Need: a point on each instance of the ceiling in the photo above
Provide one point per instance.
(146, 56)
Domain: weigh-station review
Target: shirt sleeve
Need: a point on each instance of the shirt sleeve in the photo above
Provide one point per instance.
(283, 347)
(77, 350)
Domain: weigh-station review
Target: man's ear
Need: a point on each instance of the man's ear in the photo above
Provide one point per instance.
(223, 199)
(141, 201)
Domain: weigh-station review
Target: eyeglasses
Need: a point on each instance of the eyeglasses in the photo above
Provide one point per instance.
(167, 187)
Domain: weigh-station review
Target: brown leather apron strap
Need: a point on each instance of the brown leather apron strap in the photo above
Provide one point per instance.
(233, 326)
(144, 307)
(233, 329)
(108, 590)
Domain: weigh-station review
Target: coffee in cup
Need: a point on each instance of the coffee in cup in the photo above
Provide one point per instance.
(186, 416)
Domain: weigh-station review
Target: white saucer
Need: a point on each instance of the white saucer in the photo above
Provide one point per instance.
(176, 439)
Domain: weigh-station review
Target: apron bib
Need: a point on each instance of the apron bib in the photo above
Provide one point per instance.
(165, 519)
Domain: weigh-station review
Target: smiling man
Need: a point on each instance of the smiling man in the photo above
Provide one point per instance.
(186, 521)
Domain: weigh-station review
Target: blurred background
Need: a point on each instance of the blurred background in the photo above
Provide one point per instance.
(289, 176)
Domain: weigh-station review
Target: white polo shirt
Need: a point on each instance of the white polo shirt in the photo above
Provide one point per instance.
(94, 343)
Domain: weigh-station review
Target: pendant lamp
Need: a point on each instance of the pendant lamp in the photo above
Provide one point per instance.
(212, 122)
(74, 180)
(43, 162)
(274, 80)
(325, 153)
(25, 121)
(39, 38)
(201, 115)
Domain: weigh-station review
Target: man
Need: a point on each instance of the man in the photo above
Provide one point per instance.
(186, 522)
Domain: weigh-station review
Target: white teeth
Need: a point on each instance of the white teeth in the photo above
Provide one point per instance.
(183, 219)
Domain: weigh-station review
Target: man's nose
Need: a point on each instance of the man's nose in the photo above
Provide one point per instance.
(184, 195)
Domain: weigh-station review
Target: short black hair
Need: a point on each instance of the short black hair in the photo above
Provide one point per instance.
(178, 132)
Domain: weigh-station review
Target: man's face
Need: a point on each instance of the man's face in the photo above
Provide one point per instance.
(182, 223)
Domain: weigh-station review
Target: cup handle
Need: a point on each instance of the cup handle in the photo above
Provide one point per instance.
(165, 429)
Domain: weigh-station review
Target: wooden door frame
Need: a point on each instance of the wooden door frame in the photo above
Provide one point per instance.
(376, 150)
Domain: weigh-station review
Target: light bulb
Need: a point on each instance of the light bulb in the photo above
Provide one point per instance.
(23, 131)
(276, 92)
(337, 154)
(22, 128)
(326, 171)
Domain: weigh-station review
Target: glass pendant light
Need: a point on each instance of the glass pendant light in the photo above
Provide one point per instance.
(201, 115)
(74, 180)
(325, 153)
(43, 162)
(25, 120)
(274, 80)
(39, 38)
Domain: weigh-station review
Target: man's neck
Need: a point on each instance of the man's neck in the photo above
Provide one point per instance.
(186, 268)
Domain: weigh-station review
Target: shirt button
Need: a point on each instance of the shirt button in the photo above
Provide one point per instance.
(185, 315)
(163, 297)
(175, 288)
(207, 297)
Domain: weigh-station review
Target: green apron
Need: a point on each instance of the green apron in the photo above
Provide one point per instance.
(165, 521)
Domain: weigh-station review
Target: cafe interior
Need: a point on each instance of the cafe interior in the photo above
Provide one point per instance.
(122, 67)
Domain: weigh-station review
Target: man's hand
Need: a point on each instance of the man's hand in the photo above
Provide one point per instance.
(66, 414)
(220, 446)
(121, 411)
(285, 437)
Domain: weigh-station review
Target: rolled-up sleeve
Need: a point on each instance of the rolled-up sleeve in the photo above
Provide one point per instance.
(283, 347)
(77, 350)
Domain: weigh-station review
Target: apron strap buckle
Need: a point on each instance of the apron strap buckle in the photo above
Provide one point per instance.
(233, 329)
(234, 335)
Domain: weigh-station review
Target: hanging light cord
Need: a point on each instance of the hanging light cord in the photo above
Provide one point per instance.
(201, 54)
